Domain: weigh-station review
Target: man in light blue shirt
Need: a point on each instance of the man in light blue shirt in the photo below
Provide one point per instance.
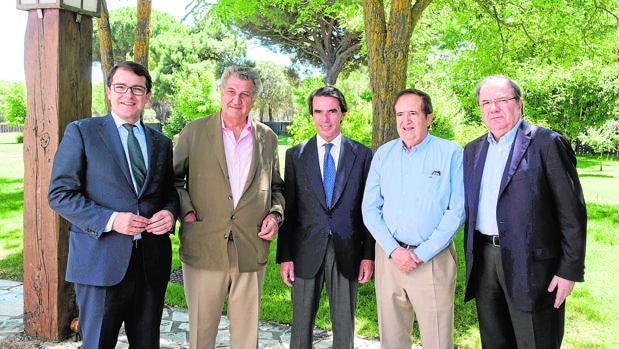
(413, 205)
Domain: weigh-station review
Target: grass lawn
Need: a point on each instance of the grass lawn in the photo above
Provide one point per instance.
(591, 309)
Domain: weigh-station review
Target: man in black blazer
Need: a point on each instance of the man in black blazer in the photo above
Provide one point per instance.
(323, 239)
(121, 211)
(525, 229)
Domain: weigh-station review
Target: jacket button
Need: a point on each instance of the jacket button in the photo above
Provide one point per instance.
(232, 217)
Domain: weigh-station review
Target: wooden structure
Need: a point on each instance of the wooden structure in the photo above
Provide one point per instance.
(58, 59)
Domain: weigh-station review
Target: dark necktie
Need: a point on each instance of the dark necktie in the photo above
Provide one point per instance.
(328, 174)
(138, 168)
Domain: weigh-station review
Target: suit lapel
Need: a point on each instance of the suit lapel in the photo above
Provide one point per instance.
(311, 165)
(521, 143)
(255, 158)
(216, 142)
(111, 139)
(480, 153)
(346, 161)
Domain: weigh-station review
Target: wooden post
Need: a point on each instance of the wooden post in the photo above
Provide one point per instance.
(58, 59)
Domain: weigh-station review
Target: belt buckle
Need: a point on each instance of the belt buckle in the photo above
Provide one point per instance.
(495, 241)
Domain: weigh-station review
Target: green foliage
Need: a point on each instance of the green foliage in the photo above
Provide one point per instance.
(195, 97)
(572, 99)
(98, 99)
(603, 138)
(14, 106)
(274, 101)
(323, 34)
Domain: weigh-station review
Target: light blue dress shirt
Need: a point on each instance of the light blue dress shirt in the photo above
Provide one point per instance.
(496, 159)
(416, 196)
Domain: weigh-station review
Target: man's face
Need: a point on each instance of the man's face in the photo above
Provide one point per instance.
(412, 122)
(499, 110)
(237, 97)
(327, 116)
(127, 105)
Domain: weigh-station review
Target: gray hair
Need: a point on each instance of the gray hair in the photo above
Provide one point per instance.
(243, 73)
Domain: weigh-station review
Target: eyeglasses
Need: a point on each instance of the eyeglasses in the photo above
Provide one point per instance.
(499, 102)
(123, 89)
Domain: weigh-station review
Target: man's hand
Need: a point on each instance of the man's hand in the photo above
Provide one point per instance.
(286, 270)
(366, 269)
(161, 222)
(564, 288)
(405, 260)
(129, 224)
(190, 217)
(269, 227)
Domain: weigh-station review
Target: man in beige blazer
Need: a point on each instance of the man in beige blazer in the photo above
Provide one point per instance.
(231, 194)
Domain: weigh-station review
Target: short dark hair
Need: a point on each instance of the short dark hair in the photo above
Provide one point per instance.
(513, 84)
(134, 67)
(426, 102)
(327, 91)
(243, 73)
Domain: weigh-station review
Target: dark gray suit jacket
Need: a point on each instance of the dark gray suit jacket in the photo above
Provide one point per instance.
(541, 215)
(304, 234)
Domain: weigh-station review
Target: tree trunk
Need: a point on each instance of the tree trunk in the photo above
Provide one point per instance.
(105, 48)
(142, 32)
(388, 43)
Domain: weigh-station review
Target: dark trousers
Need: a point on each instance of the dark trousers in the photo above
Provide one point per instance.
(501, 323)
(342, 304)
(133, 301)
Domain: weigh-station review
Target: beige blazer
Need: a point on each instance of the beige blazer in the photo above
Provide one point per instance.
(203, 185)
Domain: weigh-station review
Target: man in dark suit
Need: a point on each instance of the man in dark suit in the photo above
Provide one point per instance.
(525, 229)
(323, 239)
(113, 180)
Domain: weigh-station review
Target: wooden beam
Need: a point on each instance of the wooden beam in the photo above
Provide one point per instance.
(58, 58)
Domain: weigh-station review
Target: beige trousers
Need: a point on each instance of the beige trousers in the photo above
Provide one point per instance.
(206, 291)
(427, 292)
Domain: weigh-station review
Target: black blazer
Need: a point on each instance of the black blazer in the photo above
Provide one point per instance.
(304, 234)
(90, 180)
(541, 215)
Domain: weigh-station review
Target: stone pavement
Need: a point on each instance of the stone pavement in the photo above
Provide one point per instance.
(174, 329)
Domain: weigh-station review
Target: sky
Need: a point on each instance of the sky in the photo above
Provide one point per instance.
(13, 29)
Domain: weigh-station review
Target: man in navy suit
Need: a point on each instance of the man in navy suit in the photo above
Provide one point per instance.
(121, 211)
(323, 239)
(525, 229)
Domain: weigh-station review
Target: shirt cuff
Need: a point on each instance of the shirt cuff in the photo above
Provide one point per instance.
(110, 222)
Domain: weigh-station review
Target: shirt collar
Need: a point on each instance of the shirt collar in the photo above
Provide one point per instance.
(246, 127)
(419, 146)
(120, 122)
(508, 137)
(336, 141)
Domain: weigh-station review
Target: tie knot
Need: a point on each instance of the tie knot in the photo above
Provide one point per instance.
(129, 127)
(328, 147)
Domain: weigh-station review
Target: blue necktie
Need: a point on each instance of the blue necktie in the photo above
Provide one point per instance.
(138, 168)
(328, 174)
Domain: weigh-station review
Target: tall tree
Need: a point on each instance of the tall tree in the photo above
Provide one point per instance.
(388, 44)
(106, 53)
(323, 34)
(142, 32)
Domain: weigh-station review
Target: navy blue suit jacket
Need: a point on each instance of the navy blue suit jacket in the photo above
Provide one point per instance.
(90, 180)
(541, 215)
(304, 234)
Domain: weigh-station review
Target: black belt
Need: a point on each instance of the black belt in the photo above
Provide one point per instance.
(406, 246)
(493, 240)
